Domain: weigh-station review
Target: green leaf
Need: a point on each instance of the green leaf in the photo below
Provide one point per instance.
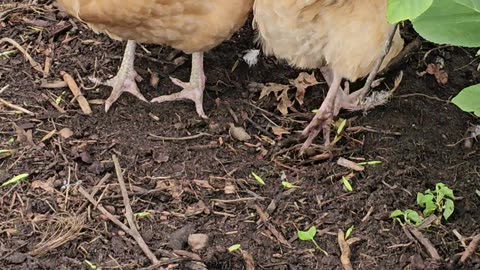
(341, 126)
(430, 208)
(473, 4)
(15, 180)
(91, 266)
(258, 179)
(287, 185)
(234, 248)
(307, 235)
(346, 183)
(369, 163)
(401, 10)
(468, 100)
(446, 191)
(413, 217)
(396, 213)
(448, 208)
(420, 199)
(448, 22)
(349, 232)
(142, 215)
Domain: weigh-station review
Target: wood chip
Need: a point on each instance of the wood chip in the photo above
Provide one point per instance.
(72, 85)
(349, 164)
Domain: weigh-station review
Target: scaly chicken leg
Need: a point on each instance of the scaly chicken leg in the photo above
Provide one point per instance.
(125, 80)
(192, 90)
(337, 98)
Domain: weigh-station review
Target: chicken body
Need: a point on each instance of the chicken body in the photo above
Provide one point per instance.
(193, 26)
(344, 38)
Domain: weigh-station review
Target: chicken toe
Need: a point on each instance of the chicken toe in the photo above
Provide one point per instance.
(125, 80)
(192, 90)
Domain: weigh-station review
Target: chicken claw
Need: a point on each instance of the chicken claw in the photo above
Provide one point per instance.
(192, 90)
(125, 80)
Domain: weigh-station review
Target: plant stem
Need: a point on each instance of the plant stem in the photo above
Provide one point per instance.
(319, 248)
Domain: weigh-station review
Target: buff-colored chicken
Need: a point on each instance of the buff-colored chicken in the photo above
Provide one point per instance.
(193, 26)
(346, 39)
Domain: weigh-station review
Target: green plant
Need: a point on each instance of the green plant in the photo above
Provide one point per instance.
(408, 216)
(347, 184)
(234, 248)
(439, 200)
(15, 180)
(258, 179)
(310, 236)
(453, 22)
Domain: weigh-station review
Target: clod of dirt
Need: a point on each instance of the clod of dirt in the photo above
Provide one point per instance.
(179, 238)
(239, 133)
(16, 258)
(197, 241)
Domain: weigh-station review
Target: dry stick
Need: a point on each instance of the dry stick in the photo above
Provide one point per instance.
(129, 213)
(270, 227)
(72, 85)
(32, 62)
(16, 107)
(470, 248)
(94, 192)
(162, 138)
(425, 242)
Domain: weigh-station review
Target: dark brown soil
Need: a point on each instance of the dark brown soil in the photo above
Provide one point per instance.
(415, 136)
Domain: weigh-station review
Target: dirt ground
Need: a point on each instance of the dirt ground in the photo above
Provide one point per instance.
(196, 178)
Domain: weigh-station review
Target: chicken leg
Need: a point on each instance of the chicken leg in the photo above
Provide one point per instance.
(338, 98)
(192, 90)
(125, 80)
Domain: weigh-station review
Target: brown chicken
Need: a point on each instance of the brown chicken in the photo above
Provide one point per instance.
(344, 38)
(193, 26)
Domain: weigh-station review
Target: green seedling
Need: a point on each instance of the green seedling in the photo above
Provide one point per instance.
(288, 185)
(439, 200)
(347, 184)
(141, 215)
(11, 141)
(349, 232)
(234, 248)
(6, 153)
(258, 179)
(59, 98)
(91, 266)
(408, 216)
(15, 180)
(309, 236)
(339, 126)
(369, 163)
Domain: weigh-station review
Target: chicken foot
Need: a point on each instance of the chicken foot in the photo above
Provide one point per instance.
(338, 98)
(125, 80)
(192, 90)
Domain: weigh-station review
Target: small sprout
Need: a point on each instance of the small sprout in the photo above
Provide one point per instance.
(477, 192)
(409, 216)
(315, 111)
(341, 126)
(11, 141)
(288, 185)
(349, 232)
(6, 153)
(59, 98)
(309, 236)
(15, 180)
(141, 215)
(91, 266)
(234, 248)
(369, 163)
(258, 179)
(440, 200)
(347, 184)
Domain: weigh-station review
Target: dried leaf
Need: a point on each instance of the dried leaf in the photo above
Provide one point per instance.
(440, 75)
(45, 185)
(48, 136)
(65, 133)
(239, 133)
(302, 82)
(279, 131)
(203, 184)
(350, 164)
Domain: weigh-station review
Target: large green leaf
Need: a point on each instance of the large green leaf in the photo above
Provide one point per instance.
(401, 10)
(473, 4)
(469, 99)
(449, 22)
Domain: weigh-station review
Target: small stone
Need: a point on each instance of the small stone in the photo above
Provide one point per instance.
(197, 241)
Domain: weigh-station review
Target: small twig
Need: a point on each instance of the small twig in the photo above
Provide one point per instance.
(32, 62)
(186, 138)
(270, 227)
(425, 242)
(129, 213)
(72, 85)
(370, 211)
(460, 238)
(423, 95)
(59, 109)
(4, 88)
(16, 107)
(470, 248)
(94, 192)
(237, 200)
(345, 249)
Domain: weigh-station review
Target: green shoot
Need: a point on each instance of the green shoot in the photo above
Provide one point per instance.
(15, 180)
(477, 192)
(369, 163)
(287, 185)
(234, 248)
(347, 184)
(91, 266)
(258, 179)
(440, 200)
(6, 153)
(309, 236)
(59, 98)
(141, 215)
(408, 216)
(349, 232)
(11, 141)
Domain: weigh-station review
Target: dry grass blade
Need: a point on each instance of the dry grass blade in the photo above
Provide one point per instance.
(72, 85)
(16, 107)
(270, 227)
(59, 231)
(248, 260)
(27, 56)
(470, 248)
